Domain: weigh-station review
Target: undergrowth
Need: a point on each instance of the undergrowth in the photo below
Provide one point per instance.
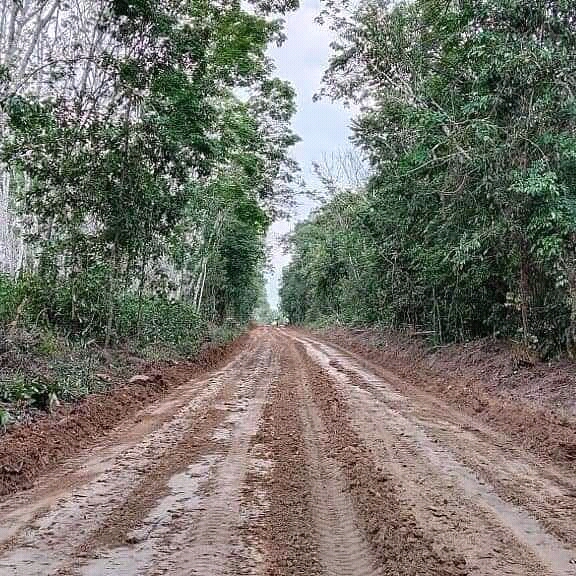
(53, 350)
(40, 369)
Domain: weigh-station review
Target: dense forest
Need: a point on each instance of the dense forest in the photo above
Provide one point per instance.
(145, 150)
(466, 226)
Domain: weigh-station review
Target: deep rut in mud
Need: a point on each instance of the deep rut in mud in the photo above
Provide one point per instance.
(295, 458)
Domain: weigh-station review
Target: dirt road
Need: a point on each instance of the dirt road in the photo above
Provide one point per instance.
(295, 458)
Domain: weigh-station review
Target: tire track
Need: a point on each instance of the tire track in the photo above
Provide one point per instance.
(500, 537)
(212, 545)
(293, 460)
(343, 548)
(63, 527)
(398, 541)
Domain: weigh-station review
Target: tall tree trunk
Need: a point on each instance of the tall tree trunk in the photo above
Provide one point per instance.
(140, 296)
(525, 292)
(115, 257)
(570, 266)
(112, 292)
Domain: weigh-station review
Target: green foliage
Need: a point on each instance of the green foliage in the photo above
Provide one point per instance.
(11, 295)
(21, 390)
(467, 227)
(5, 417)
(74, 306)
(221, 333)
(155, 320)
(145, 196)
(41, 369)
(144, 186)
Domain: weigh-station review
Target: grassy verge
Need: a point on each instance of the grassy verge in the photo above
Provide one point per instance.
(40, 370)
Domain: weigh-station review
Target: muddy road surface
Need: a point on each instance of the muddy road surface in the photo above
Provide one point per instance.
(295, 458)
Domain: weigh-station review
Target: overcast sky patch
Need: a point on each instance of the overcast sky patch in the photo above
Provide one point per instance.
(323, 126)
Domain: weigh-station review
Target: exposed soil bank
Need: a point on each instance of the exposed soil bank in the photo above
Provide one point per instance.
(27, 450)
(532, 402)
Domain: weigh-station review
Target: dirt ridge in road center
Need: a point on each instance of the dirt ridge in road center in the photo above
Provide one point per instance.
(286, 529)
(392, 531)
(26, 451)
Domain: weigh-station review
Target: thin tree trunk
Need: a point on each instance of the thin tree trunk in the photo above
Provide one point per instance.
(200, 285)
(570, 266)
(111, 292)
(525, 293)
(115, 267)
(140, 294)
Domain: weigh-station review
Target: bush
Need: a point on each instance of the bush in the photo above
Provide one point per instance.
(156, 320)
(22, 390)
(78, 308)
(225, 332)
(12, 295)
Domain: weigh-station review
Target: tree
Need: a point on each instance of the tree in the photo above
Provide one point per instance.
(157, 179)
(467, 120)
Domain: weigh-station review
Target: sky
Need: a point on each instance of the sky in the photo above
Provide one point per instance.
(323, 126)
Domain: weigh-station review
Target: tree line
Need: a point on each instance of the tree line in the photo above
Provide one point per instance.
(466, 226)
(144, 152)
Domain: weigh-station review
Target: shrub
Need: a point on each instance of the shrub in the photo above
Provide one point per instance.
(12, 294)
(157, 320)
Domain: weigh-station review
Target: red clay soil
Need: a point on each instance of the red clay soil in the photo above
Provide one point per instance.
(393, 532)
(28, 450)
(295, 459)
(532, 402)
(289, 518)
